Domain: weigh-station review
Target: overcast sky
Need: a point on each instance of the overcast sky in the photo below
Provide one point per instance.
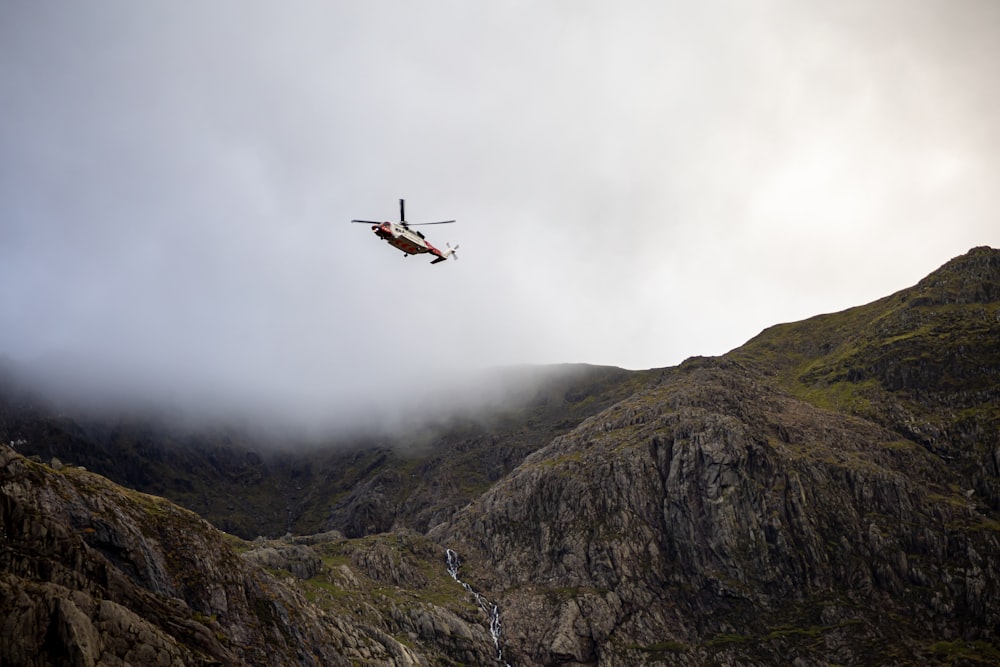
(634, 182)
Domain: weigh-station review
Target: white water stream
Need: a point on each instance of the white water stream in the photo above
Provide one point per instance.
(492, 610)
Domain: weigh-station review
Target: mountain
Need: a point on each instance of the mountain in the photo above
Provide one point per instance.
(92, 573)
(828, 493)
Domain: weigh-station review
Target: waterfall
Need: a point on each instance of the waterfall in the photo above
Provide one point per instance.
(492, 610)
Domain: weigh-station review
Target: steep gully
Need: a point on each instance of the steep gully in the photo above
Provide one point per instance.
(491, 609)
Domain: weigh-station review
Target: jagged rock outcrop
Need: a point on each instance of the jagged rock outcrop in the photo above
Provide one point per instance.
(95, 574)
(924, 362)
(739, 512)
(297, 559)
(109, 576)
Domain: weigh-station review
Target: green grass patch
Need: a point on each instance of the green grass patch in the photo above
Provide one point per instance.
(974, 652)
(661, 650)
(729, 639)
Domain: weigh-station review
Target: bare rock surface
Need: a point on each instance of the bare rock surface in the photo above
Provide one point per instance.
(825, 494)
(95, 574)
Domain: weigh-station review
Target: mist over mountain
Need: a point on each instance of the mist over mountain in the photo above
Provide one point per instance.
(86, 387)
(827, 493)
(262, 477)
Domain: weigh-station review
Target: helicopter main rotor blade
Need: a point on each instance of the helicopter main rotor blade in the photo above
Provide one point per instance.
(402, 216)
(368, 222)
(443, 222)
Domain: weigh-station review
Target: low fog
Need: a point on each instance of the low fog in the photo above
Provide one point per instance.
(634, 183)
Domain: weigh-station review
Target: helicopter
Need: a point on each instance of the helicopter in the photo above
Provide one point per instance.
(410, 241)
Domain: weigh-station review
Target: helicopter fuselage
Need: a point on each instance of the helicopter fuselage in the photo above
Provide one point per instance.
(410, 242)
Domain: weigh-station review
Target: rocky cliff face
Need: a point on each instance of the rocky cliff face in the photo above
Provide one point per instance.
(924, 362)
(825, 494)
(714, 518)
(95, 574)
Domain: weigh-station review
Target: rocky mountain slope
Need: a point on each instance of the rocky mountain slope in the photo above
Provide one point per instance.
(92, 573)
(825, 494)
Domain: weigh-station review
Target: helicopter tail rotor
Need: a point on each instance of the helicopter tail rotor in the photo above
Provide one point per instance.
(441, 256)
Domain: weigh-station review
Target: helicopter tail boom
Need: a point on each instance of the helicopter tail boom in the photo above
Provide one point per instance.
(450, 252)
